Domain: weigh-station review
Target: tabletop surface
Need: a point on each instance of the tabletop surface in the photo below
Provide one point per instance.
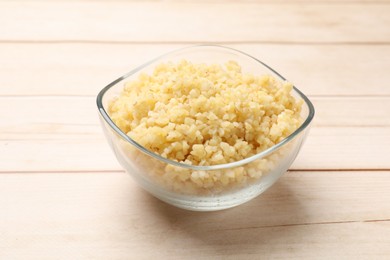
(63, 195)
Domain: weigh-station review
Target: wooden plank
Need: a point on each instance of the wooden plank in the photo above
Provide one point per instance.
(309, 215)
(77, 117)
(189, 22)
(83, 69)
(332, 148)
(341, 148)
(45, 117)
(52, 134)
(351, 111)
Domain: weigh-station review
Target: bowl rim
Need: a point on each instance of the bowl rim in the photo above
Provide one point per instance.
(244, 161)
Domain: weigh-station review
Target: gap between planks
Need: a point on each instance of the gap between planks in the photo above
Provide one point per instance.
(123, 171)
(94, 96)
(309, 224)
(120, 42)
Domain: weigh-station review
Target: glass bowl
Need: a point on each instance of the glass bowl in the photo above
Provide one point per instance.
(169, 180)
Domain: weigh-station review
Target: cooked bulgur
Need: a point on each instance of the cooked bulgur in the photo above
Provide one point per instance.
(206, 114)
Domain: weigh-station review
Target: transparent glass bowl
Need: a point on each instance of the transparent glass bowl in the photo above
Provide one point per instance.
(169, 180)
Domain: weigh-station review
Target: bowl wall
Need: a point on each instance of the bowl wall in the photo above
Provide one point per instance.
(173, 182)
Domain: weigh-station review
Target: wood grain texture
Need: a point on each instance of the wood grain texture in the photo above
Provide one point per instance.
(307, 215)
(64, 196)
(332, 148)
(77, 117)
(171, 22)
(53, 134)
(83, 69)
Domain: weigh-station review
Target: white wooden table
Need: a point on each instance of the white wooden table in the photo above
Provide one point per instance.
(64, 196)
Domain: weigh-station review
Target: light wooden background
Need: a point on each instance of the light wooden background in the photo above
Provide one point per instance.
(64, 196)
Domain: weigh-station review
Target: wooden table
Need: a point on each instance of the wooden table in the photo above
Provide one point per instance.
(64, 196)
